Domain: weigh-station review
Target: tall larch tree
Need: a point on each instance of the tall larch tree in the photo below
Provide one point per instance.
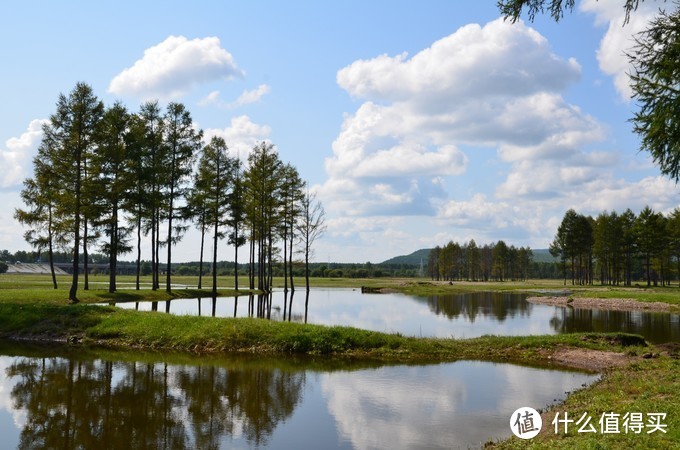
(111, 169)
(154, 172)
(137, 199)
(262, 184)
(71, 132)
(237, 217)
(214, 184)
(182, 143)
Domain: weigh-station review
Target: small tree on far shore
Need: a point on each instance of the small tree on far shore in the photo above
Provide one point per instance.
(311, 226)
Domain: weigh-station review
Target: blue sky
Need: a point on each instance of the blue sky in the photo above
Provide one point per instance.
(416, 123)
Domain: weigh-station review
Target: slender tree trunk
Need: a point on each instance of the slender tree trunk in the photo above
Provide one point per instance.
(50, 249)
(290, 256)
(270, 271)
(153, 250)
(306, 272)
(649, 272)
(236, 258)
(86, 271)
(168, 269)
(200, 262)
(157, 271)
(214, 267)
(86, 274)
(139, 247)
(76, 238)
(251, 269)
(285, 255)
(113, 249)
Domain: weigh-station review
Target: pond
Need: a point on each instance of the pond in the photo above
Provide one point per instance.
(53, 399)
(461, 316)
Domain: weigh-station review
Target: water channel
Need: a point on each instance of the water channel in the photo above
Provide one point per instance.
(461, 316)
(66, 398)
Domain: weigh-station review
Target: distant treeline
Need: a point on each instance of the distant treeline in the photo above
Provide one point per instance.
(470, 262)
(226, 268)
(619, 248)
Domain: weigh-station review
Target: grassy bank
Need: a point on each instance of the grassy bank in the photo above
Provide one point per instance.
(646, 386)
(115, 327)
(30, 309)
(38, 287)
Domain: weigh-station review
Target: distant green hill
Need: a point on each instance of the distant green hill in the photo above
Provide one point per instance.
(413, 259)
(541, 255)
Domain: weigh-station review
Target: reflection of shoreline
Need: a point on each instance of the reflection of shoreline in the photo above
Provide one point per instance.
(611, 304)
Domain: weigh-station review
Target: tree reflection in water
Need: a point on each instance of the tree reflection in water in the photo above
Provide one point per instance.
(656, 327)
(470, 305)
(74, 403)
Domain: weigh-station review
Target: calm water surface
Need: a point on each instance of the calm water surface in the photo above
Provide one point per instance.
(114, 400)
(460, 316)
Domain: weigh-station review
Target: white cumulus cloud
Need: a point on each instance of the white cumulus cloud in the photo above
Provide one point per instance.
(241, 135)
(619, 38)
(495, 85)
(16, 161)
(247, 97)
(171, 68)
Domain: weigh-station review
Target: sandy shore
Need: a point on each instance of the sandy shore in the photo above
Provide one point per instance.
(616, 304)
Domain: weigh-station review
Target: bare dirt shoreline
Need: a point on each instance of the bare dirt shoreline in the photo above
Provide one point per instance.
(615, 304)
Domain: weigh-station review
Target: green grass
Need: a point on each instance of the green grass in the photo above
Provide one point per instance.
(115, 327)
(29, 289)
(30, 309)
(647, 386)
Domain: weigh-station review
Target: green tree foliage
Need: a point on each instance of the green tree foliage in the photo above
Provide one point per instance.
(111, 169)
(105, 169)
(512, 9)
(470, 262)
(262, 182)
(655, 81)
(650, 237)
(153, 173)
(212, 191)
(612, 246)
(236, 220)
(655, 78)
(70, 138)
(139, 196)
(574, 243)
(182, 142)
(433, 259)
(45, 231)
(673, 233)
